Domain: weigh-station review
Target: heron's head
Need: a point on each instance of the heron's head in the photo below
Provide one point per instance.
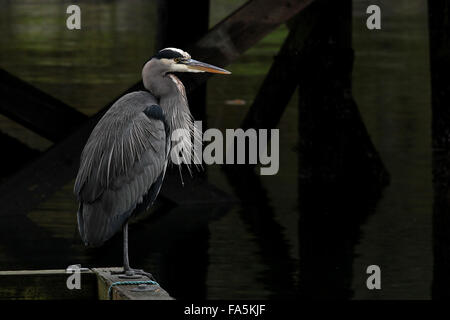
(170, 60)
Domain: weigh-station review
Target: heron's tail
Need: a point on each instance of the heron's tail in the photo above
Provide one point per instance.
(95, 226)
(85, 226)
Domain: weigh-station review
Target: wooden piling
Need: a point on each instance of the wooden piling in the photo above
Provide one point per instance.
(439, 35)
(341, 175)
(334, 144)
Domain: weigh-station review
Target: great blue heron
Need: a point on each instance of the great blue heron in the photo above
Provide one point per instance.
(125, 158)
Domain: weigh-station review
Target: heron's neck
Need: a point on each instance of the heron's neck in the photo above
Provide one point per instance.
(170, 92)
(179, 117)
(175, 105)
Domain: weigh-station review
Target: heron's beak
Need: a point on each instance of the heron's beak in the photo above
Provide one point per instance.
(201, 66)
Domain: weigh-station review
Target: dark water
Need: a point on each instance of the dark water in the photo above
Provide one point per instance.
(247, 250)
(391, 85)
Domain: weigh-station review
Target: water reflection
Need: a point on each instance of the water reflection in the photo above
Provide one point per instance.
(331, 215)
(260, 219)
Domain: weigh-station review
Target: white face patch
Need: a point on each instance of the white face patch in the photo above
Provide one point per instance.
(177, 67)
(172, 66)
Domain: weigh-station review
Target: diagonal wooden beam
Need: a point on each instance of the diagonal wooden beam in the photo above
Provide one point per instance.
(244, 28)
(36, 110)
(240, 31)
(22, 155)
(221, 45)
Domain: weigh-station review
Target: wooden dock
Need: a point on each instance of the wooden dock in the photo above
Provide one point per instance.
(95, 284)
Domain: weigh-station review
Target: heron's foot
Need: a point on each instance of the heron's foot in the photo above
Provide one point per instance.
(133, 274)
(143, 273)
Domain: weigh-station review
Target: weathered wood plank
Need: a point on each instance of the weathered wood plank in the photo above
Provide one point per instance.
(45, 285)
(126, 291)
(95, 284)
(233, 36)
(36, 110)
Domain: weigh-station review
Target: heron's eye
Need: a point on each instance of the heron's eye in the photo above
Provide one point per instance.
(177, 60)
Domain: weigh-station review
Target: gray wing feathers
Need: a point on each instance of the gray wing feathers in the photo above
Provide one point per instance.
(123, 157)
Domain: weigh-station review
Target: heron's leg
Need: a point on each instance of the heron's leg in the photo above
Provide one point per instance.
(126, 261)
(127, 271)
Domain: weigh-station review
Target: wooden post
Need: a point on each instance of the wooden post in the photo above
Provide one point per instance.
(340, 172)
(124, 291)
(439, 35)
